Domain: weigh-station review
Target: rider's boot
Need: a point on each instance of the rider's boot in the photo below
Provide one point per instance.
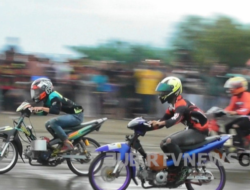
(181, 172)
(46, 139)
(68, 146)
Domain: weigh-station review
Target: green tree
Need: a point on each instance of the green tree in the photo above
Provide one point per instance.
(122, 52)
(220, 39)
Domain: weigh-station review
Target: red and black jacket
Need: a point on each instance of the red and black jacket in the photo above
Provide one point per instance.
(187, 113)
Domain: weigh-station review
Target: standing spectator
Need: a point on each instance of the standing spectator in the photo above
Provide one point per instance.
(146, 82)
(100, 81)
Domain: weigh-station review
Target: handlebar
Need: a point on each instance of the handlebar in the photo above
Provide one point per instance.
(147, 124)
(218, 112)
(31, 110)
(221, 113)
(224, 114)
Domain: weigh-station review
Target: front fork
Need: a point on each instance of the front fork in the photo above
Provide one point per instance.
(121, 162)
(4, 147)
(115, 171)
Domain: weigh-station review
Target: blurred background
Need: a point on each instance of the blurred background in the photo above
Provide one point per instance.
(110, 59)
(109, 56)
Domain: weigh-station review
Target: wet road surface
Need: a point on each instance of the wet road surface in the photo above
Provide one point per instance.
(26, 177)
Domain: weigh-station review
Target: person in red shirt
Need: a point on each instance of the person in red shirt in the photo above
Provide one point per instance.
(180, 111)
(239, 105)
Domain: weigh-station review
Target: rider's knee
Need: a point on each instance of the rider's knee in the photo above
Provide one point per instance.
(161, 145)
(165, 142)
(50, 123)
(47, 124)
(236, 126)
(168, 141)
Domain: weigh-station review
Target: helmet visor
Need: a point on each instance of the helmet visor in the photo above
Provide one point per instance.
(164, 89)
(34, 93)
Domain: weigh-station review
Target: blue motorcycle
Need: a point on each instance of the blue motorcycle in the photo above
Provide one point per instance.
(118, 156)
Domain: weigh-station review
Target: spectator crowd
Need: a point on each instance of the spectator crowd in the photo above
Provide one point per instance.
(111, 88)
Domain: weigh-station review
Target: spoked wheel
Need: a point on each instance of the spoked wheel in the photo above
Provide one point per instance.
(244, 159)
(81, 166)
(10, 156)
(214, 176)
(104, 179)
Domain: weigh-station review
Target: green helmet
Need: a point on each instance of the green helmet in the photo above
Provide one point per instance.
(168, 89)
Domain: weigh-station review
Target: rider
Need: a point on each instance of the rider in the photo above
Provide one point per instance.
(179, 111)
(239, 105)
(53, 102)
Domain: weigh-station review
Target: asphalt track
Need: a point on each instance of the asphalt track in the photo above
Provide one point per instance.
(25, 177)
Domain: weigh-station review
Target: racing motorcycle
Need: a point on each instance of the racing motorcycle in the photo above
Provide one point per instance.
(45, 151)
(217, 119)
(157, 175)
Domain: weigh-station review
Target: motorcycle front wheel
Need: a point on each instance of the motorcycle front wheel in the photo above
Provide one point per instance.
(104, 179)
(6, 162)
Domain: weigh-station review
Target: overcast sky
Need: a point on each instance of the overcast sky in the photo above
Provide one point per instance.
(46, 26)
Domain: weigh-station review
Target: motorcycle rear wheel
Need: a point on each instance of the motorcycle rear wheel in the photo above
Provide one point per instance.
(72, 167)
(222, 173)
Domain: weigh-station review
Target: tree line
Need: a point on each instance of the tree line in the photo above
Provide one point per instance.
(219, 39)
